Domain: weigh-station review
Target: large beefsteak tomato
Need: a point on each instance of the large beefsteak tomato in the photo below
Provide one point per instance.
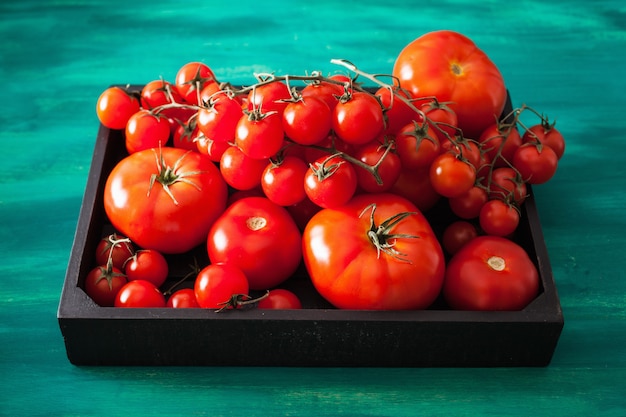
(377, 252)
(165, 199)
(450, 67)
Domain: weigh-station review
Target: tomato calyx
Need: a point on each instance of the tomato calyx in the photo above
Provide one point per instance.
(237, 301)
(323, 170)
(168, 176)
(107, 272)
(381, 236)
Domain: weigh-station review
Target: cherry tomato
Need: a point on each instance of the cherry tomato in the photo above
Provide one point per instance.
(103, 283)
(441, 117)
(469, 204)
(191, 78)
(358, 118)
(325, 91)
(490, 273)
(165, 199)
(149, 265)
(260, 238)
(283, 182)
(397, 112)
(536, 163)
(240, 171)
(280, 299)
(387, 163)
(307, 121)
(115, 246)
(218, 120)
(376, 252)
(260, 135)
(498, 218)
(268, 98)
(146, 130)
(183, 298)
(216, 284)
(451, 176)
(449, 66)
(457, 234)
(547, 135)
(417, 145)
(330, 182)
(500, 142)
(140, 294)
(507, 184)
(115, 106)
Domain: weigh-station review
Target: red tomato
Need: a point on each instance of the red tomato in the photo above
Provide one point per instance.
(417, 145)
(240, 171)
(115, 106)
(213, 149)
(330, 182)
(165, 199)
(507, 184)
(159, 93)
(149, 265)
(490, 273)
(191, 78)
(547, 135)
(260, 136)
(140, 294)
(307, 121)
(116, 247)
(536, 163)
(457, 234)
(218, 121)
(451, 176)
(216, 284)
(183, 298)
(325, 91)
(397, 112)
(500, 142)
(450, 67)
(377, 252)
(282, 182)
(269, 97)
(280, 299)
(498, 218)
(469, 204)
(415, 186)
(103, 283)
(146, 130)
(441, 117)
(387, 163)
(358, 119)
(260, 238)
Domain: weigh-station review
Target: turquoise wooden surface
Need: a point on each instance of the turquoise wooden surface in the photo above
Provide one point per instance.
(565, 58)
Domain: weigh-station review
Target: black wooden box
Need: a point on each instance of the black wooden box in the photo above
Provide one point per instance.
(317, 335)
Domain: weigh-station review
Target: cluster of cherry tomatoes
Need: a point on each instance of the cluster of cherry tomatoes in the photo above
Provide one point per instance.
(301, 168)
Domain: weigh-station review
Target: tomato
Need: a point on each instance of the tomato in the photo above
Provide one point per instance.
(283, 182)
(103, 283)
(307, 121)
(467, 149)
(149, 265)
(358, 118)
(269, 98)
(139, 294)
(280, 299)
(415, 186)
(183, 298)
(499, 218)
(185, 134)
(240, 171)
(325, 91)
(146, 130)
(191, 78)
(547, 135)
(216, 284)
(165, 199)
(536, 163)
(213, 149)
(450, 67)
(159, 93)
(417, 144)
(441, 117)
(260, 135)
(457, 234)
(330, 182)
(377, 252)
(260, 238)
(500, 141)
(218, 121)
(387, 163)
(469, 204)
(116, 247)
(490, 273)
(115, 106)
(451, 176)
(397, 112)
(507, 184)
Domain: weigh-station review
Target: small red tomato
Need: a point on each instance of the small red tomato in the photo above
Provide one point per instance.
(330, 182)
(184, 298)
(149, 265)
(499, 218)
(457, 234)
(115, 246)
(536, 163)
(451, 176)
(103, 283)
(280, 299)
(217, 284)
(115, 106)
(140, 294)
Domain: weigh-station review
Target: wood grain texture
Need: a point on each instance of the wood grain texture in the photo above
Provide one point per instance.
(565, 58)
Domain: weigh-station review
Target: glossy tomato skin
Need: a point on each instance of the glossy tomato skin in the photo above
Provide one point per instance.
(347, 269)
(449, 66)
(260, 238)
(490, 273)
(140, 294)
(149, 265)
(183, 298)
(218, 283)
(280, 299)
(115, 106)
(358, 119)
(116, 247)
(152, 218)
(103, 283)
